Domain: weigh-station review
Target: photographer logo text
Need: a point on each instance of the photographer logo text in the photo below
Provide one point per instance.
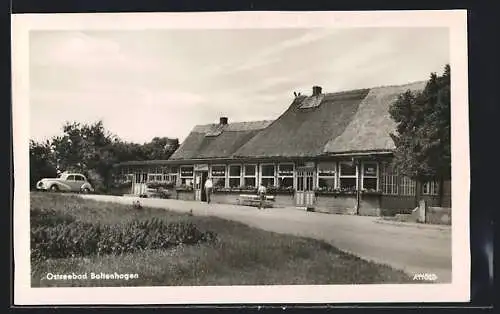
(425, 277)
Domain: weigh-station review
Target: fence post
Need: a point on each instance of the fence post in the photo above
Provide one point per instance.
(422, 211)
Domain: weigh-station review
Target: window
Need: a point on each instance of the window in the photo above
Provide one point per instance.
(370, 176)
(219, 175)
(155, 177)
(407, 186)
(164, 171)
(326, 175)
(267, 175)
(121, 175)
(187, 175)
(347, 176)
(165, 177)
(234, 176)
(389, 180)
(129, 177)
(285, 175)
(71, 178)
(79, 178)
(430, 188)
(250, 175)
(172, 176)
(155, 174)
(300, 181)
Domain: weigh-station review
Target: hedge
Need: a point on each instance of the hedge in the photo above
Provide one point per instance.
(56, 236)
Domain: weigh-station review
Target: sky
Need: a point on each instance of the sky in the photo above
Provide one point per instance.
(149, 83)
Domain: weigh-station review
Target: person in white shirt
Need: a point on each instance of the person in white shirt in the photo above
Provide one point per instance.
(262, 195)
(208, 189)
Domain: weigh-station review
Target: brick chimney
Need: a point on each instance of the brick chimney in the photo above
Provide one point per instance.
(316, 90)
(223, 120)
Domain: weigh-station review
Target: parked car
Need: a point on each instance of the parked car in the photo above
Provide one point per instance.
(67, 182)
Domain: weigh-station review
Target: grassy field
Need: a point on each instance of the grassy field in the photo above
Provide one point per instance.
(239, 255)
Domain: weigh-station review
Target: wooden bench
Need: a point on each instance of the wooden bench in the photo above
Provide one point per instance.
(254, 200)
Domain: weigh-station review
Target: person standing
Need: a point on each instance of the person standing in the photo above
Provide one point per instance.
(208, 189)
(262, 195)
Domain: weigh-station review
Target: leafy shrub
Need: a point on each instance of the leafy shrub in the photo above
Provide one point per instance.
(48, 217)
(74, 238)
(97, 180)
(161, 193)
(122, 185)
(272, 190)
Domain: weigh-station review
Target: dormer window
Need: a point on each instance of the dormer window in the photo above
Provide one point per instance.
(314, 100)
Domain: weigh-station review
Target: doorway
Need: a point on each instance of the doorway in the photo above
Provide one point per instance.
(304, 195)
(199, 187)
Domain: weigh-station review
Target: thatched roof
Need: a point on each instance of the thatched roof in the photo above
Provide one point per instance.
(303, 131)
(370, 127)
(333, 123)
(217, 141)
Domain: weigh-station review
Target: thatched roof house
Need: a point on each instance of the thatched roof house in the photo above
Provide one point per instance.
(215, 141)
(325, 149)
(342, 122)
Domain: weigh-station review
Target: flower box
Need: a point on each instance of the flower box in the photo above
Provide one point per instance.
(160, 185)
(371, 192)
(280, 190)
(184, 188)
(338, 192)
(234, 190)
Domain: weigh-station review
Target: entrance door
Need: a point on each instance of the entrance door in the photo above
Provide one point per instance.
(199, 185)
(139, 183)
(304, 195)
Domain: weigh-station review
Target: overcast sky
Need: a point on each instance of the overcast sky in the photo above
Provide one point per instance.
(148, 83)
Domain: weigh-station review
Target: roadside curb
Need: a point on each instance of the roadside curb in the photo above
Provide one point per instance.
(413, 225)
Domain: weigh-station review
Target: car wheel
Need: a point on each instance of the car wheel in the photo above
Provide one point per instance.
(54, 188)
(86, 191)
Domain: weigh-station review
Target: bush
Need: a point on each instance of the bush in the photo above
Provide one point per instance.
(122, 185)
(49, 218)
(56, 236)
(96, 180)
(272, 190)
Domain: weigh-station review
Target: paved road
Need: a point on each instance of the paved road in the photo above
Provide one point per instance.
(412, 249)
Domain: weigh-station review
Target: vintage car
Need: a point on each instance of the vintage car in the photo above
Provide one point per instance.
(66, 182)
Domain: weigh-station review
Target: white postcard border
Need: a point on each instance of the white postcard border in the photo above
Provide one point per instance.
(457, 291)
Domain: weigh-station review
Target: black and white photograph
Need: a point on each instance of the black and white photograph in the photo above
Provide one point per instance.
(241, 157)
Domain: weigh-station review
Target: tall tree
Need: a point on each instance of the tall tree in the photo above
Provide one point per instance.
(92, 150)
(159, 148)
(42, 161)
(85, 148)
(422, 136)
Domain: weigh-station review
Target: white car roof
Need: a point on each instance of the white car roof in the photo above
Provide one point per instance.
(72, 174)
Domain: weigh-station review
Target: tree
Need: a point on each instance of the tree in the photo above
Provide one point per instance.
(85, 148)
(422, 137)
(42, 162)
(159, 148)
(92, 150)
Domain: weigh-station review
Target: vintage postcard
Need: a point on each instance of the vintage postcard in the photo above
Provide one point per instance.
(241, 157)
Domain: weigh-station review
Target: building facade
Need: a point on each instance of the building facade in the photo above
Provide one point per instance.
(327, 151)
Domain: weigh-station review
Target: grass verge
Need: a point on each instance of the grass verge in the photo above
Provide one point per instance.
(241, 255)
